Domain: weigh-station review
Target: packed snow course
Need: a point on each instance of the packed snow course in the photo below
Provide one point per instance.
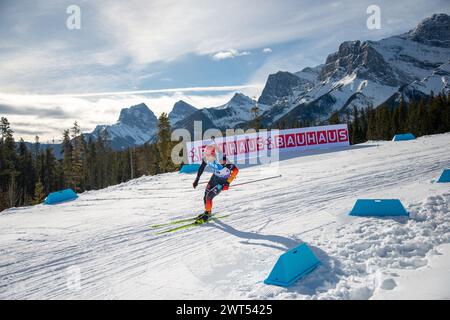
(101, 246)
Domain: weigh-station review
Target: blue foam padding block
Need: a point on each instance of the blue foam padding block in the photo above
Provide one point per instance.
(445, 176)
(403, 137)
(378, 207)
(292, 265)
(189, 168)
(60, 196)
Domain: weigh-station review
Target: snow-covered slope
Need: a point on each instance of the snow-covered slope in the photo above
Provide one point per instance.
(105, 236)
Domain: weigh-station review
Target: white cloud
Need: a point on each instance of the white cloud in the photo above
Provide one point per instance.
(120, 41)
(229, 54)
(153, 91)
(163, 30)
(100, 108)
(123, 37)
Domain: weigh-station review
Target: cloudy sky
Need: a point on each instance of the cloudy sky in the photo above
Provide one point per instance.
(161, 51)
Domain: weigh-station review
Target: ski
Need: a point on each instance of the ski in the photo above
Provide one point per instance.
(190, 225)
(155, 226)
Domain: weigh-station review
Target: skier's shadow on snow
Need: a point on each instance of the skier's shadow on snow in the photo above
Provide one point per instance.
(324, 278)
(286, 243)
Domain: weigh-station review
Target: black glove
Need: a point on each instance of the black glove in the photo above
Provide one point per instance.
(195, 184)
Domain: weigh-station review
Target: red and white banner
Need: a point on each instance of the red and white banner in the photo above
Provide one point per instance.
(253, 145)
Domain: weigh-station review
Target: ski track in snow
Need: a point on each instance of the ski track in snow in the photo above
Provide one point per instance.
(106, 234)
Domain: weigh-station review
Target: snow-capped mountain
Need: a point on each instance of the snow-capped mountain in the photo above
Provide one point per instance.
(235, 113)
(359, 73)
(136, 126)
(180, 111)
(363, 73)
(437, 82)
(284, 90)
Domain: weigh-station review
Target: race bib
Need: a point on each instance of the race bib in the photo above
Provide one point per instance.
(224, 173)
(219, 170)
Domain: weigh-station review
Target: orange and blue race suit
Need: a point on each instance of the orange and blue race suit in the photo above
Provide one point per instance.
(223, 174)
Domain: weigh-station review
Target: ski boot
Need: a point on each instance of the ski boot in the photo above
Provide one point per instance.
(202, 218)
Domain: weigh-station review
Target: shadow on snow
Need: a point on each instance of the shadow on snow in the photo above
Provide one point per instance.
(324, 278)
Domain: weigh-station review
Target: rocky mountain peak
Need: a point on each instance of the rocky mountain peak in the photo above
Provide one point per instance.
(240, 99)
(181, 110)
(279, 85)
(434, 30)
(138, 116)
(361, 58)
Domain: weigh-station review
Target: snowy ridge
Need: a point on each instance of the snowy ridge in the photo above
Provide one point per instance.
(136, 126)
(437, 82)
(236, 112)
(132, 134)
(180, 111)
(106, 234)
(363, 73)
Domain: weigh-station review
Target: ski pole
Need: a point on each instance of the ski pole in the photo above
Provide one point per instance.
(251, 181)
(247, 182)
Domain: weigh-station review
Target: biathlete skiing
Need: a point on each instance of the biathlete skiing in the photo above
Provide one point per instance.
(224, 173)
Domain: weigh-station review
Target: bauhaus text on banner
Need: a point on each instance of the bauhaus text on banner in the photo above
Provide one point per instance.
(256, 144)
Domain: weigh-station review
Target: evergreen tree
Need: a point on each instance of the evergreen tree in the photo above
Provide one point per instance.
(92, 177)
(402, 117)
(49, 177)
(371, 124)
(13, 193)
(364, 125)
(151, 159)
(384, 120)
(26, 176)
(412, 123)
(334, 118)
(8, 173)
(77, 157)
(396, 121)
(8, 147)
(423, 118)
(67, 160)
(36, 153)
(434, 115)
(356, 131)
(164, 143)
(39, 194)
(256, 122)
